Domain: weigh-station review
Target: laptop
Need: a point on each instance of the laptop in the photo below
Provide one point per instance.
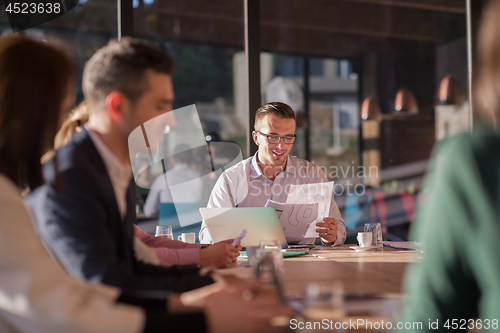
(227, 223)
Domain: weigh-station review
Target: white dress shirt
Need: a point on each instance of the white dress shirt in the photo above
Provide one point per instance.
(37, 295)
(120, 175)
(118, 172)
(244, 185)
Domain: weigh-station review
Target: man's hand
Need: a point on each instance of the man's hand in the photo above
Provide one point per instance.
(244, 309)
(220, 254)
(198, 298)
(327, 230)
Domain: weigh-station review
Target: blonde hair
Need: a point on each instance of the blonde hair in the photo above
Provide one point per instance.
(73, 124)
(487, 80)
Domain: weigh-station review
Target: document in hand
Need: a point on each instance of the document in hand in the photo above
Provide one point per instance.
(294, 219)
(305, 205)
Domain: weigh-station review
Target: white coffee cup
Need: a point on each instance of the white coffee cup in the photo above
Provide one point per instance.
(187, 237)
(364, 239)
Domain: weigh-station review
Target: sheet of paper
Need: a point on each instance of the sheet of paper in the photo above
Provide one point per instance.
(303, 195)
(294, 219)
(404, 245)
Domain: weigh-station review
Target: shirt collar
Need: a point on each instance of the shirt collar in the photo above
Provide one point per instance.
(113, 165)
(257, 172)
(289, 167)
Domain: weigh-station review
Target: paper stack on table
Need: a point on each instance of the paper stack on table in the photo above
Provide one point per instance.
(404, 245)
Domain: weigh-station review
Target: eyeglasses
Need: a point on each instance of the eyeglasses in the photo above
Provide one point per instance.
(275, 139)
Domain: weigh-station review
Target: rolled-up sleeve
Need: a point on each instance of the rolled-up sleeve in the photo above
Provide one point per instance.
(170, 252)
(334, 211)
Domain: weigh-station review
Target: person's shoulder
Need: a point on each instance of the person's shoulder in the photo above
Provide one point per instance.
(485, 142)
(239, 167)
(80, 152)
(299, 161)
(483, 147)
(79, 156)
(469, 161)
(304, 167)
(482, 143)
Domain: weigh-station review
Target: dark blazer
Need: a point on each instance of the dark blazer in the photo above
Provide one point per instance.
(77, 216)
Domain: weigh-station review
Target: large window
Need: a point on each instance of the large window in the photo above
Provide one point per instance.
(385, 81)
(206, 40)
(375, 83)
(82, 31)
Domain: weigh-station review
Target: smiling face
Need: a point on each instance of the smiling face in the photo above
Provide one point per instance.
(273, 156)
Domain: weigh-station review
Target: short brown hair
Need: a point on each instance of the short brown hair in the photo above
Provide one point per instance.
(277, 109)
(487, 87)
(120, 66)
(34, 79)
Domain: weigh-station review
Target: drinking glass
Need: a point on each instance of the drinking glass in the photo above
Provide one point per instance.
(273, 247)
(254, 254)
(268, 270)
(376, 230)
(324, 300)
(164, 231)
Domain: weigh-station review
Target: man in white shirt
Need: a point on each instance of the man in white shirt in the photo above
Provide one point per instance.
(270, 172)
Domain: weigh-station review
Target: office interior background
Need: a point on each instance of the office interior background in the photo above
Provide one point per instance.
(375, 83)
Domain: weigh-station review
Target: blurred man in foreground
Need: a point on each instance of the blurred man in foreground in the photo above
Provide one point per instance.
(86, 210)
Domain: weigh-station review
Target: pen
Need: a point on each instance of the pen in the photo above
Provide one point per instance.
(240, 237)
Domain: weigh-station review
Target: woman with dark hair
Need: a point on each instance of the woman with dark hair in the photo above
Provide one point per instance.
(36, 294)
(457, 285)
(33, 91)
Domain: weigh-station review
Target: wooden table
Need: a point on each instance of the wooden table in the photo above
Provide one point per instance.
(369, 273)
(372, 280)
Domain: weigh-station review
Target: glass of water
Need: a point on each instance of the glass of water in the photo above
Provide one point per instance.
(273, 247)
(376, 230)
(164, 231)
(324, 300)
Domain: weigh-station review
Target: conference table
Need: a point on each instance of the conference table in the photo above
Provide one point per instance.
(362, 273)
(372, 281)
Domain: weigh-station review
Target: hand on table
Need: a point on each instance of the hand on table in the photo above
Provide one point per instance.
(220, 254)
(243, 308)
(327, 230)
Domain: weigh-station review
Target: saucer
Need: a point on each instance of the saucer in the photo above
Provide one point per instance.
(360, 249)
